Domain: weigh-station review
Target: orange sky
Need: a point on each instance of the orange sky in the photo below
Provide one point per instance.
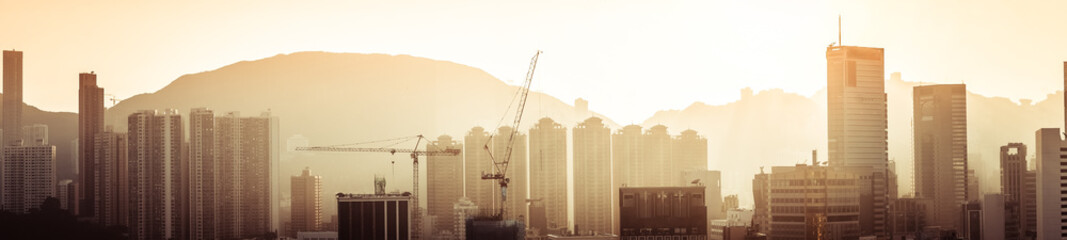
(628, 58)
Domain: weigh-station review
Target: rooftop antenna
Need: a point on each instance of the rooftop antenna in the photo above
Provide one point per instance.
(839, 31)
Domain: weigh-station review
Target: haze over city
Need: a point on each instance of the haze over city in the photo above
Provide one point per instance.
(724, 92)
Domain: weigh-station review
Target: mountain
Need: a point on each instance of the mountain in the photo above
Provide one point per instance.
(337, 98)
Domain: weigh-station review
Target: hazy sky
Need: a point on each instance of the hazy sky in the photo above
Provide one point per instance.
(629, 59)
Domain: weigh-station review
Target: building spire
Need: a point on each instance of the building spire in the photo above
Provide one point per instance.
(839, 43)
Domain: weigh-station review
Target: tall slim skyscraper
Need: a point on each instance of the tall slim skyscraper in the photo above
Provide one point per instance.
(202, 195)
(592, 178)
(941, 151)
(90, 121)
(1051, 156)
(515, 204)
(227, 167)
(476, 162)
(155, 140)
(1012, 182)
(306, 195)
(12, 97)
(112, 190)
(548, 171)
(29, 177)
(442, 173)
(857, 123)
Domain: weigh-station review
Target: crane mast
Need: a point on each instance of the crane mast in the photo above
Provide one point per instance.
(414, 153)
(501, 167)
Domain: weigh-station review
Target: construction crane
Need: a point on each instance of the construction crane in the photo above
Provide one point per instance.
(501, 166)
(413, 152)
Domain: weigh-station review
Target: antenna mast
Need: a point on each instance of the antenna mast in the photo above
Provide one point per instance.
(839, 31)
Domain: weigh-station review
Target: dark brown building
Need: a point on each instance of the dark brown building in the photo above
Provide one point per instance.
(662, 212)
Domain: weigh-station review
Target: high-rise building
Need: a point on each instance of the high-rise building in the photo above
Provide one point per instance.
(548, 172)
(1028, 207)
(29, 177)
(65, 192)
(672, 213)
(112, 179)
(12, 96)
(973, 191)
(592, 178)
(657, 160)
(1051, 156)
(908, 218)
(689, 151)
(155, 140)
(259, 152)
(761, 198)
(442, 192)
(367, 216)
(997, 222)
(464, 209)
(477, 162)
(730, 202)
(815, 202)
(35, 134)
(971, 221)
(1012, 183)
(857, 123)
(245, 148)
(940, 122)
(90, 122)
(202, 195)
(712, 183)
(515, 201)
(306, 195)
(627, 153)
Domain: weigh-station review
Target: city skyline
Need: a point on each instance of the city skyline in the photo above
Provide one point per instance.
(813, 25)
(643, 121)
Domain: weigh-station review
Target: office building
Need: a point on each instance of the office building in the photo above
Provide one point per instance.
(1028, 207)
(90, 122)
(835, 204)
(154, 151)
(548, 172)
(973, 191)
(442, 173)
(908, 218)
(857, 122)
(202, 196)
(971, 221)
(112, 179)
(940, 122)
(592, 178)
(761, 198)
(1013, 184)
(12, 97)
(1051, 152)
(477, 162)
(712, 182)
(371, 216)
(29, 177)
(306, 208)
(515, 200)
(670, 212)
(996, 223)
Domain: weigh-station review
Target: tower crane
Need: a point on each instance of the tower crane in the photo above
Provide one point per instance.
(413, 152)
(501, 166)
